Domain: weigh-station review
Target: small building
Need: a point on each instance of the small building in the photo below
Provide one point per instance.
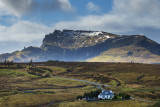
(106, 94)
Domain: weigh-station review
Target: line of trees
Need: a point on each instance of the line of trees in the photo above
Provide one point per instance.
(90, 95)
(9, 63)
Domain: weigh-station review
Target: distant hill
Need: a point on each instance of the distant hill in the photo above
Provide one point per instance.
(127, 54)
(93, 46)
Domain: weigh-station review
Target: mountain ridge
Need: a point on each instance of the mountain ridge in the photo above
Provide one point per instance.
(77, 38)
(82, 45)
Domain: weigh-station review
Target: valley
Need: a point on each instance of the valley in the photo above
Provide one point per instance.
(38, 83)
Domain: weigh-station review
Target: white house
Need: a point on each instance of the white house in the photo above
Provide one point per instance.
(106, 94)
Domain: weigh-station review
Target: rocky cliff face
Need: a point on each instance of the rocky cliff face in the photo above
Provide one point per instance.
(70, 39)
(80, 45)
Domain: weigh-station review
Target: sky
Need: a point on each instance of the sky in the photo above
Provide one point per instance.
(25, 23)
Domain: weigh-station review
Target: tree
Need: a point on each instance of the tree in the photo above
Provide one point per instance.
(69, 70)
(115, 97)
(5, 61)
(11, 62)
(30, 62)
(124, 96)
(127, 97)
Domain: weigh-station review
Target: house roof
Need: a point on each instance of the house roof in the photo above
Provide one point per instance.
(106, 92)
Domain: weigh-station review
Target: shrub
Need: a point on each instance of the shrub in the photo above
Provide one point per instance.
(124, 96)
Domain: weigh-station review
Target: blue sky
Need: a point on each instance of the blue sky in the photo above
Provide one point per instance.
(25, 22)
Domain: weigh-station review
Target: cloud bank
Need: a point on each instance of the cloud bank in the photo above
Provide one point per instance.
(23, 31)
(126, 16)
(21, 7)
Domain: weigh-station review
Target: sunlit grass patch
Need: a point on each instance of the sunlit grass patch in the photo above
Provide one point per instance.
(15, 73)
(55, 69)
(130, 103)
(61, 81)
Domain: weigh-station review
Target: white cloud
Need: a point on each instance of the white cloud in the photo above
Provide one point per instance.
(23, 31)
(20, 7)
(138, 7)
(2, 27)
(126, 16)
(109, 23)
(92, 7)
(65, 5)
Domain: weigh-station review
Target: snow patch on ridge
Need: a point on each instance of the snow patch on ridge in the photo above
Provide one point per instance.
(95, 33)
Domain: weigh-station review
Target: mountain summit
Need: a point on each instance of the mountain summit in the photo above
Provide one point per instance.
(93, 46)
(70, 39)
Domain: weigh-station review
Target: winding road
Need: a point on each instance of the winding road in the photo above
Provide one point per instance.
(94, 83)
(98, 85)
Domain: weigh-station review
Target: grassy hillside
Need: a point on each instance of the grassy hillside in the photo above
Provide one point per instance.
(24, 55)
(127, 54)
